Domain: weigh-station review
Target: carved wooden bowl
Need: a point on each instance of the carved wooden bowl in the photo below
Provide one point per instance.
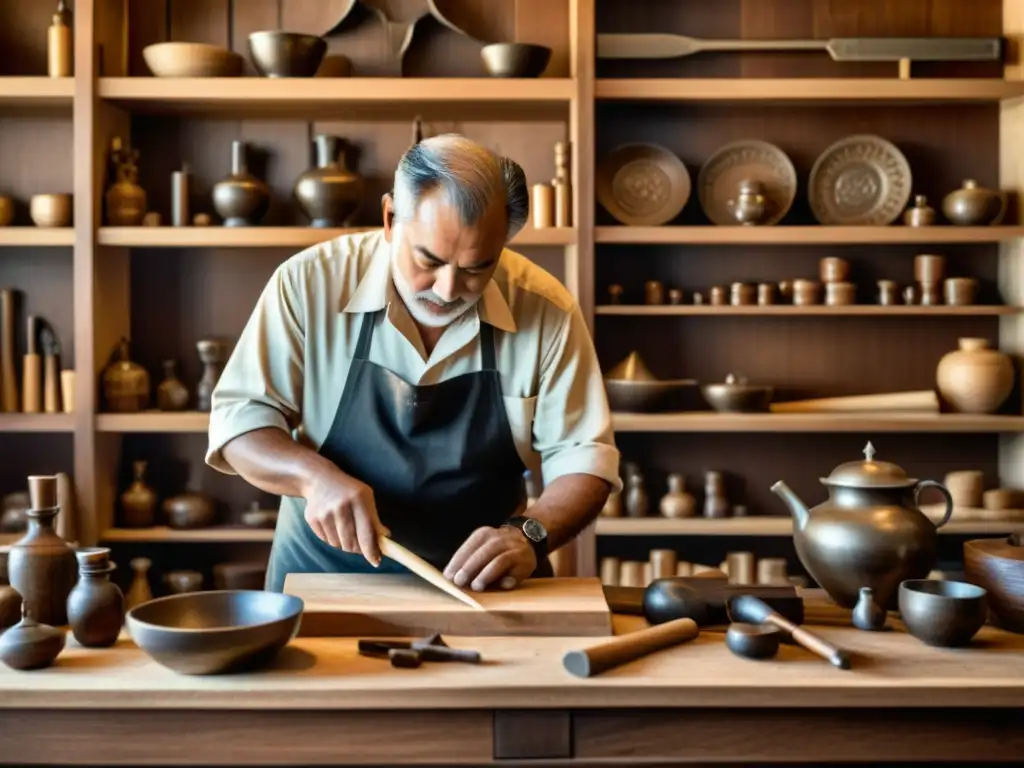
(515, 59)
(206, 633)
(191, 60)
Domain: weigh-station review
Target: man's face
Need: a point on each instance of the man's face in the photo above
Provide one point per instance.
(441, 266)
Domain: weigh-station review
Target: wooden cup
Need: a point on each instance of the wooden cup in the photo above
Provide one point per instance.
(929, 268)
(663, 563)
(833, 269)
(840, 294)
(967, 487)
(960, 291)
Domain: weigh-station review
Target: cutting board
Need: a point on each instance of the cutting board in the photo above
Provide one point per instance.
(403, 605)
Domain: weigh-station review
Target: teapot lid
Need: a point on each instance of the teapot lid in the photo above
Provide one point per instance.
(869, 473)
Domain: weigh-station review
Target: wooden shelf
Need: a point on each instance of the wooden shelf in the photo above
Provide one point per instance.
(816, 422)
(214, 535)
(810, 235)
(317, 98)
(826, 90)
(277, 237)
(33, 92)
(37, 236)
(757, 526)
(154, 421)
(817, 310)
(37, 422)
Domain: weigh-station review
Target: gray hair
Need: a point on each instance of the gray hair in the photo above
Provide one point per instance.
(470, 175)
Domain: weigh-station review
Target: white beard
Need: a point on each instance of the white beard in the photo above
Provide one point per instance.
(414, 302)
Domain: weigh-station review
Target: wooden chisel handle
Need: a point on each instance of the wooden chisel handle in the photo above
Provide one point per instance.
(600, 658)
(51, 385)
(837, 657)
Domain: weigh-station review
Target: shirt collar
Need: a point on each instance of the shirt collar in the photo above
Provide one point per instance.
(375, 290)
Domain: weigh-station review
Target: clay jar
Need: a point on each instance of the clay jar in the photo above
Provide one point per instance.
(42, 568)
(171, 393)
(329, 194)
(126, 200)
(677, 502)
(125, 383)
(241, 199)
(974, 378)
(972, 205)
(138, 502)
(96, 604)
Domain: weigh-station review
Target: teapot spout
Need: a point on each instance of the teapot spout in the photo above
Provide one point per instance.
(797, 508)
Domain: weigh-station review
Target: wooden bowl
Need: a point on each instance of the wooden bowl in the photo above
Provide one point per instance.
(736, 396)
(50, 210)
(997, 566)
(191, 60)
(643, 185)
(625, 396)
(515, 59)
(206, 633)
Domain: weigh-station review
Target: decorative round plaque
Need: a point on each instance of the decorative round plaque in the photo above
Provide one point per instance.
(860, 180)
(642, 184)
(721, 177)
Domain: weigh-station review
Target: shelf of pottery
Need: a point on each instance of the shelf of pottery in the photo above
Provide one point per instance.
(36, 389)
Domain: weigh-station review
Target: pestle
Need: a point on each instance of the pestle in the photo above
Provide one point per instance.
(752, 610)
(596, 659)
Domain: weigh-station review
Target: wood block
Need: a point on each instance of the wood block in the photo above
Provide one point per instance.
(401, 605)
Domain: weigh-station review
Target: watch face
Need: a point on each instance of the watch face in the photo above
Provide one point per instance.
(533, 529)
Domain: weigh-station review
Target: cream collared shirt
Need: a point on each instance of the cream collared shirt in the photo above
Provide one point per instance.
(289, 366)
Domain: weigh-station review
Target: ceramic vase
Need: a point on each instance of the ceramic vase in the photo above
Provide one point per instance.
(43, 569)
(138, 502)
(241, 199)
(96, 604)
(972, 205)
(125, 383)
(975, 378)
(125, 200)
(171, 393)
(677, 502)
(213, 353)
(329, 194)
(139, 592)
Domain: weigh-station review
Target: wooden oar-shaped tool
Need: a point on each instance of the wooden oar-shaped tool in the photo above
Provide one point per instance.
(665, 46)
(424, 570)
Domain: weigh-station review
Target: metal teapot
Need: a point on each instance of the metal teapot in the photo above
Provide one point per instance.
(870, 532)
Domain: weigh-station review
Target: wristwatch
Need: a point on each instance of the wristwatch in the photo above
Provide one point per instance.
(534, 532)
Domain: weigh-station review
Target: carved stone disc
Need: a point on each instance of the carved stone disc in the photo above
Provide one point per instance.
(860, 180)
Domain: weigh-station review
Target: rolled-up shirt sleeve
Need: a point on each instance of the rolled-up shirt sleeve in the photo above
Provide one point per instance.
(572, 428)
(262, 383)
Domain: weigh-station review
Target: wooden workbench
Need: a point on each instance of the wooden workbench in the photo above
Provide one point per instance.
(322, 703)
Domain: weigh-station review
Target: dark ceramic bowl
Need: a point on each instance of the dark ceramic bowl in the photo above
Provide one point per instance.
(638, 396)
(207, 633)
(942, 613)
(737, 398)
(286, 54)
(515, 59)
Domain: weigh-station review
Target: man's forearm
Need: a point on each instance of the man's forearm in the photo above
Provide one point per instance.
(273, 462)
(568, 505)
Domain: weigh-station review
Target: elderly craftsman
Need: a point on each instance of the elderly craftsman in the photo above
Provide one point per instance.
(399, 382)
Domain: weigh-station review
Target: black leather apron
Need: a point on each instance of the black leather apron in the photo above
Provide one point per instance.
(440, 459)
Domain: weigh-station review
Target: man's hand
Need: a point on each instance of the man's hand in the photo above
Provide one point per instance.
(341, 511)
(492, 555)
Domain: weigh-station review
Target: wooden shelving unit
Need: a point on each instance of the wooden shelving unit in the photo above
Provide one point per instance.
(805, 235)
(760, 526)
(814, 310)
(815, 422)
(824, 90)
(278, 237)
(163, 535)
(36, 236)
(953, 121)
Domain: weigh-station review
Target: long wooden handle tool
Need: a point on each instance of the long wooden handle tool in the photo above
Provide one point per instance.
(600, 658)
(423, 569)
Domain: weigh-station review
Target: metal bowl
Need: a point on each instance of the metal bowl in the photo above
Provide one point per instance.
(736, 396)
(515, 59)
(286, 54)
(207, 633)
(942, 613)
(642, 396)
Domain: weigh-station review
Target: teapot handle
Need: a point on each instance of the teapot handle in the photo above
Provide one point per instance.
(922, 485)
